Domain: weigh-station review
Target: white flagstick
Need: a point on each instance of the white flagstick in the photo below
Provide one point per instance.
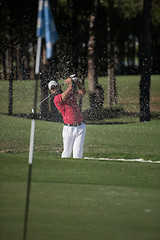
(39, 41)
(38, 56)
(32, 138)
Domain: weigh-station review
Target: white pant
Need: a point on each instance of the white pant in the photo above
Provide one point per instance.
(73, 140)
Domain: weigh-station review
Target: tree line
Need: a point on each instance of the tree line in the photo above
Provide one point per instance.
(96, 38)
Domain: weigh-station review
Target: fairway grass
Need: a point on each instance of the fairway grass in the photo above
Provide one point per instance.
(79, 199)
(131, 140)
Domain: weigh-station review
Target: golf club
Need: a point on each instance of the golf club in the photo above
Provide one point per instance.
(41, 102)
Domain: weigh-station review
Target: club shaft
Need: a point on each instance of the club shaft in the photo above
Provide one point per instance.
(43, 100)
(46, 98)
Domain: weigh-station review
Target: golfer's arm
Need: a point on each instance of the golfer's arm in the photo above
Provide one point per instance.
(82, 90)
(67, 92)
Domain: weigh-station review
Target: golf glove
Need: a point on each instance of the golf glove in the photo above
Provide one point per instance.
(74, 78)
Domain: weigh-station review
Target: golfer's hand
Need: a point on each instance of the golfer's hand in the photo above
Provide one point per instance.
(74, 78)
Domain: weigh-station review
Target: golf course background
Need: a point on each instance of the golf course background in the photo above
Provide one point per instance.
(75, 199)
(127, 95)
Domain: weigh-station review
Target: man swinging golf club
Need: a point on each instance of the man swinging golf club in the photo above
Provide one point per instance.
(74, 127)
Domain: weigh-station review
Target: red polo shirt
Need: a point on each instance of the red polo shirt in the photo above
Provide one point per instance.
(69, 109)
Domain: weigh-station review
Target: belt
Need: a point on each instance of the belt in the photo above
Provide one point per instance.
(73, 125)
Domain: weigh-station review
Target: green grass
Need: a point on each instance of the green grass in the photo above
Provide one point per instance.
(127, 92)
(133, 140)
(79, 199)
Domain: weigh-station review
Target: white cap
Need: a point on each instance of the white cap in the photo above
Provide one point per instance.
(52, 83)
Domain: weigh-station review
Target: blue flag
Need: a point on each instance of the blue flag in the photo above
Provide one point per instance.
(46, 27)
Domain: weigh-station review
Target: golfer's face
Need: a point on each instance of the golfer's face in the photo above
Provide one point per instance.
(55, 89)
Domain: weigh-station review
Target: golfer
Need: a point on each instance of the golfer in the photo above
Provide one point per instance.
(74, 127)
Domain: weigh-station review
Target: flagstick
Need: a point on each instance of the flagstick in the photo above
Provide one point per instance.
(39, 41)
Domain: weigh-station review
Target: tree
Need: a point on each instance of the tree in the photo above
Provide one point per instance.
(11, 21)
(146, 64)
(96, 93)
(112, 93)
(155, 21)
